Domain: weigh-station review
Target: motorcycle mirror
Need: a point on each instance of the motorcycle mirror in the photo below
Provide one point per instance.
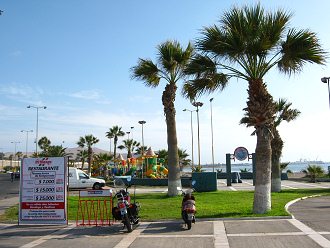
(193, 182)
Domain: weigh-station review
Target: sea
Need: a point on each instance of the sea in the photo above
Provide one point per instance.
(294, 167)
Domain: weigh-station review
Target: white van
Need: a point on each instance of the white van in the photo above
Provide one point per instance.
(79, 179)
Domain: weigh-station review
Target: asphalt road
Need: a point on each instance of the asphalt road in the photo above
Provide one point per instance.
(8, 189)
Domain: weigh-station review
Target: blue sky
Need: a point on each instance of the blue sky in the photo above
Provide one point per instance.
(75, 57)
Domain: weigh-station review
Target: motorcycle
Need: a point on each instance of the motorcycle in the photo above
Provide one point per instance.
(124, 210)
(188, 208)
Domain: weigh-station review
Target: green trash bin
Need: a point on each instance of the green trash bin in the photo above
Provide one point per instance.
(205, 181)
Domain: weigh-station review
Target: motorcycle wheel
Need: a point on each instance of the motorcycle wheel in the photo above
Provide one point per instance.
(188, 224)
(127, 223)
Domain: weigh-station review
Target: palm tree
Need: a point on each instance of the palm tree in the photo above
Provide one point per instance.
(246, 44)
(314, 171)
(171, 61)
(130, 145)
(44, 143)
(284, 113)
(88, 141)
(101, 163)
(55, 151)
(114, 133)
(163, 154)
(138, 150)
(183, 158)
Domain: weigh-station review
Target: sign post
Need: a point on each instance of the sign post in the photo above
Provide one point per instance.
(43, 191)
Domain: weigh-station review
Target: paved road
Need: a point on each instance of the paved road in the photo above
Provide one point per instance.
(8, 189)
(309, 229)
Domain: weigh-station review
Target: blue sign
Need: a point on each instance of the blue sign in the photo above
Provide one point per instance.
(241, 153)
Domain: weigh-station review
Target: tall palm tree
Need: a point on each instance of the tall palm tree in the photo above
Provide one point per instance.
(114, 133)
(246, 44)
(130, 145)
(138, 150)
(88, 141)
(171, 61)
(284, 113)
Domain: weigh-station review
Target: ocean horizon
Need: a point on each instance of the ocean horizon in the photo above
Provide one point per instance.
(293, 166)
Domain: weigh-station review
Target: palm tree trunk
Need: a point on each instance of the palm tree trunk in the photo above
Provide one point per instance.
(90, 157)
(174, 179)
(261, 113)
(262, 197)
(277, 146)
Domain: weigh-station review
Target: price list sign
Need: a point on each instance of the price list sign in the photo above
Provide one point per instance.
(43, 191)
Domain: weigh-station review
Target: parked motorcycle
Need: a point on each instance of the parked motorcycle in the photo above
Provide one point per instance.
(188, 208)
(124, 210)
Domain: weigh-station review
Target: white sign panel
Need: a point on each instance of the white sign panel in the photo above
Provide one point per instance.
(43, 191)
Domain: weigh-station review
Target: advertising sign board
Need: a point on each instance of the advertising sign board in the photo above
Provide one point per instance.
(43, 191)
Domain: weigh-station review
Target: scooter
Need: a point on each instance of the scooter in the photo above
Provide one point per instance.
(125, 211)
(188, 208)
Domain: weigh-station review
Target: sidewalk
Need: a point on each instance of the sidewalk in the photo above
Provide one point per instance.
(309, 229)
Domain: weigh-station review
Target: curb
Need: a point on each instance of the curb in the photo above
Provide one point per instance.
(296, 200)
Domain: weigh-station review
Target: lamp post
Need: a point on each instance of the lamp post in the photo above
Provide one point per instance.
(192, 137)
(212, 133)
(197, 105)
(37, 108)
(15, 143)
(128, 134)
(142, 150)
(27, 139)
(132, 131)
(326, 81)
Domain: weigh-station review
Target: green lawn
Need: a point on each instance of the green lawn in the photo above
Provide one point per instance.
(219, 204)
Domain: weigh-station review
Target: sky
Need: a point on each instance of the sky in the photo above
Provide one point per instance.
(75, 57)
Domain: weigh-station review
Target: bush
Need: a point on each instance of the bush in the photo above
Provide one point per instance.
(314, 171)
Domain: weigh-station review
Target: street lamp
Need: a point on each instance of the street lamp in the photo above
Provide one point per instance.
(27, 138)
(142, 150)
(132, 131)
(15, 143)
(326, 81)
(197, 105)
(37, 108)
(192, 136)
(212, 133)
(128, 134)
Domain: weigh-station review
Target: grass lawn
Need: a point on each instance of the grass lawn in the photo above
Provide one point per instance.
(218, 204)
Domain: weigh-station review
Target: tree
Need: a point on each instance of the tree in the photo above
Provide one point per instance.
(130, 145)
(183, 158)
(114, 133)
(171, 61)
(163, 154)
(314, 171)
(100, 163)
(88, 141)
(246, 44)
(44, 143)
(284, 113)
(54, 151)
(138, 150)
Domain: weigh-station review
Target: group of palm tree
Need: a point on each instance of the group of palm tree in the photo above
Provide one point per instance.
(246, 44)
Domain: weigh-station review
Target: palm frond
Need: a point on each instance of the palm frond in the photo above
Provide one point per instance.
(147, 72)
(300, 46)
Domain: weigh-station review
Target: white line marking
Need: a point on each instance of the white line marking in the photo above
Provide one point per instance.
(286, 186)
(318, 238)
(247, 183)
(57, 234)
(129, 239)
(232, 188)
(220, 237)
(266, 234)
(310, 185)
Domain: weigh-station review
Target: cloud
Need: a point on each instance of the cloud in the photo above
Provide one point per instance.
(21, 92)
(86, 94)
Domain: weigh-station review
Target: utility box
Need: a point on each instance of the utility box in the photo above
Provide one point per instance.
(205, 181)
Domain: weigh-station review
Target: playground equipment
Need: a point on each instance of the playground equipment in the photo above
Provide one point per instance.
(153, 169)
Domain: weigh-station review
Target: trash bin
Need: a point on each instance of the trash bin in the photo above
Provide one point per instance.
(205, 181)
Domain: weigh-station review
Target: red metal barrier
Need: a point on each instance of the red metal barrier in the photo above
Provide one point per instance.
(94, 208)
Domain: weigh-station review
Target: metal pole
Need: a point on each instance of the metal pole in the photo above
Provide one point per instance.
(198, 104)
(37, 107)
(27, 140)
(192, 136)
(326, 81)
(212, 133)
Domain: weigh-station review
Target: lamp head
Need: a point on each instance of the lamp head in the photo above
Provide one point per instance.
(142, 122)
(184, 110)
(211, 99)
(44, 107)
(29, 106)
